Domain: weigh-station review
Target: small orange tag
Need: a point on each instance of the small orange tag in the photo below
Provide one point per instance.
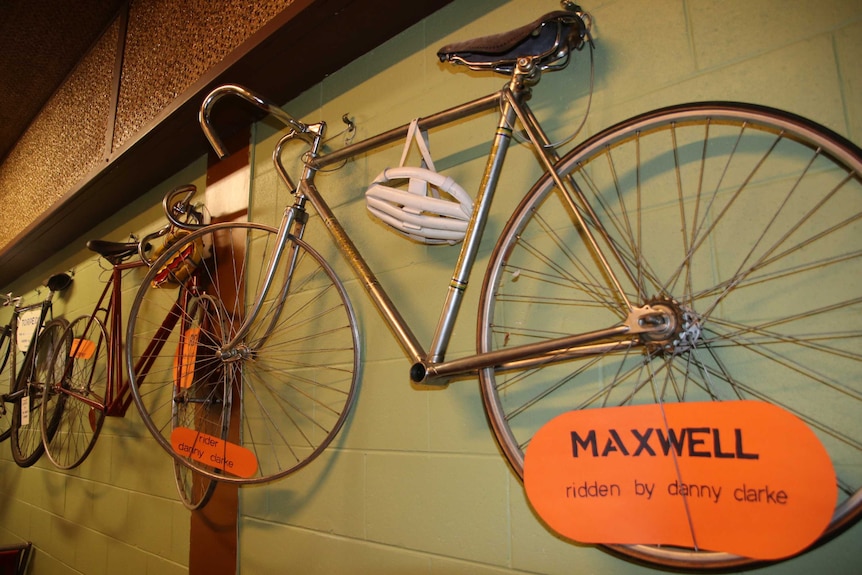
(82, 349)
(214, 452)
(742, 477)
(184, 360)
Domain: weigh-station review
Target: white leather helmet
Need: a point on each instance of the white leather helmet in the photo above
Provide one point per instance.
(420, 211)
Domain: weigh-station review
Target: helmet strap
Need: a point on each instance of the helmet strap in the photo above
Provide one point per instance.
(414, 134)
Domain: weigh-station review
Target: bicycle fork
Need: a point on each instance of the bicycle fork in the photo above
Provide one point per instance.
(292, 225)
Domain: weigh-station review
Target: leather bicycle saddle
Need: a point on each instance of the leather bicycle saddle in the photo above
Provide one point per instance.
(548, 38)
(114, 252)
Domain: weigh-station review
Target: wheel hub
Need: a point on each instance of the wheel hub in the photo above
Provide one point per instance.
(673, 327)
(238, 353)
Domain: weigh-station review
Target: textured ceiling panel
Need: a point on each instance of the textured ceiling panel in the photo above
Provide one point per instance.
(171, 44)
(63, 144)
(41, 41)
(93, 161)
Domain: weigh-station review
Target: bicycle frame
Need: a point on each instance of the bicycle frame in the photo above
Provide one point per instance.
(429, 367)
(118, 397)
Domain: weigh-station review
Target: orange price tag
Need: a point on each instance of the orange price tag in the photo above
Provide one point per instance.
(82, 348)
(742, 477)
(213, 451)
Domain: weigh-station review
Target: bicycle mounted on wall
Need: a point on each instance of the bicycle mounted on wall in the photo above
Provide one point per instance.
(34, 332)
(90, 385)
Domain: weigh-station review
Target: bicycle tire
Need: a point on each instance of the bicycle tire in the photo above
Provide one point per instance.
(290, 383)
(26, 440)
(191, 409)
(195, 489)
(742, 218)
(76, 399)
(5, 409)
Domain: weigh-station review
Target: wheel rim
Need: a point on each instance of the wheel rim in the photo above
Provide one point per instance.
(762, 317)
(77, 399)
(290, 392)
(5, 409)
(50, 358)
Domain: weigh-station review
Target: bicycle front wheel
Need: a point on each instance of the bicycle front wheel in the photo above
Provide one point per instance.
(741, 221)
(48, 363)
(76, 400)
(286, 386)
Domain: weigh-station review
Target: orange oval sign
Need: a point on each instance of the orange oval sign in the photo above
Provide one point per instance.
(215, 452)
(742, 477)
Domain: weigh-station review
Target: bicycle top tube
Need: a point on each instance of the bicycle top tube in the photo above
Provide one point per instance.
(547, 42)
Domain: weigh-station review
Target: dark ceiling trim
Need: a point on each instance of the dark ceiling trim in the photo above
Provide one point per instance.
(309, 40)
(122, 31)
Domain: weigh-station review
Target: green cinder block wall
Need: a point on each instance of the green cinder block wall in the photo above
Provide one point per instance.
(414, 483)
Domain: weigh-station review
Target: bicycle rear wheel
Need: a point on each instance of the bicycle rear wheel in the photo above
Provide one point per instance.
(742, 220)
(76, 399)
(5, 408)
(48, 362)
(286, 387)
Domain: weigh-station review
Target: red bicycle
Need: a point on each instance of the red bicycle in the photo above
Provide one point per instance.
(92, 385)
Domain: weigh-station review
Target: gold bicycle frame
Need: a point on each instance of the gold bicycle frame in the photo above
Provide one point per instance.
(429, 367)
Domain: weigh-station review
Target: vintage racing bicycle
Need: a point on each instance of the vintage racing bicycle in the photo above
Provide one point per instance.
(701, 252)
